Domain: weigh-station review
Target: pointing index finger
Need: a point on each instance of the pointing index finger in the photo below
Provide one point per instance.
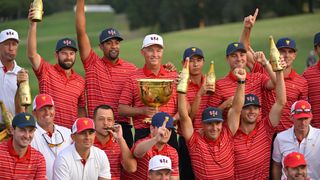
(256, 13)
(165, 122)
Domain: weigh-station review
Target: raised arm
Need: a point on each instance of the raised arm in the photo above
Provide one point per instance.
(185, 121)
(238, 101)
(82, 37)
(32, 53)
(281, 99)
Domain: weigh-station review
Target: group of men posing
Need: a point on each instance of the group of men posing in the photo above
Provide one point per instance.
(222, 135)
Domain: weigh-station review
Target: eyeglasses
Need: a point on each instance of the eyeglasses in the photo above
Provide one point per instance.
(49, 141)
(299, 111)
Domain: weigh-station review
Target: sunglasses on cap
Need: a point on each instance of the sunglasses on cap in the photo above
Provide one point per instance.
(299, 111)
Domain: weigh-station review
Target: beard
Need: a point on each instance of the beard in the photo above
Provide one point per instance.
(66, 66)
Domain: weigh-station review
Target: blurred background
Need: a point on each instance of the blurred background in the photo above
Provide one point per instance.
(208, 24)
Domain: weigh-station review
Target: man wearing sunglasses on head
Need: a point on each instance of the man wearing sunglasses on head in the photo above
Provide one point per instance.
(49, 138)
(302, 138)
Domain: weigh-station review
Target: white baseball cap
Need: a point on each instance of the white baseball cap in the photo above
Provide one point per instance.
(160, 162)
(152, 39)
(8, 34)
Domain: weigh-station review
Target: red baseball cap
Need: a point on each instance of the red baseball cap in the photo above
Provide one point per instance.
(301, 109)
(294, 159)
(82, 124)
(42, 100)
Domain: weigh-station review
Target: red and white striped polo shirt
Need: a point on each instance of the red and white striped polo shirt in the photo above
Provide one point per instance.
(67, 93)
(31, 166)
(104, 81)
(113, 151)
(252, 151)
(313, 79)
(212, 159)
(226, 87)
(296, 89)
(191, 94)
(130, 95)
(143, 163)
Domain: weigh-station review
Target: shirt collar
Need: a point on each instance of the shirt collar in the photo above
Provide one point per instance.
(191, 83)
(15, 69)
(13, 153)
(77, 156)
(108, 62)
(62, 71)
(104, 146)
(149, 73)
(234, 78)
(293, 74)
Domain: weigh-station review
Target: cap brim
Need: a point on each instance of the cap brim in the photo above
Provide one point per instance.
(113, 37)
(251, 104)
(302, 115)
(46, 104)
(79, 131)
(295, 49)
(150, 44)
(240, 49)
(296, 164)
(161, 168)
(194, 54)
(10, 39)
(212, 120)
(26, 125)
(75, 49)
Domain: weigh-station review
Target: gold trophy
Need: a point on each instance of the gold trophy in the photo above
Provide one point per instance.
(211, 77)
(24, 93)
(155, 92)
(274, 56)
(184, 77)
(7, 119)
(38, 10)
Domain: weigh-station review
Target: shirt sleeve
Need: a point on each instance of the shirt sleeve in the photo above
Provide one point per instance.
(42, 69)
(60, 169)
(104, 166)
(276, 153)
(127, 93)
(41, 170)
(82, 100)
(216, 99)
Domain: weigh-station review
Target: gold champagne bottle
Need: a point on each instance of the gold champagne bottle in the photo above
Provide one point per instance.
(211, 77)
(7, 119)
(184, 77)
(38, 10)
(274, 56)
(25, 93)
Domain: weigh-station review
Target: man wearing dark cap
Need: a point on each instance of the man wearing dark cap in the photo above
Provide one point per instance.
(82, 160)
(60, 81)
(295, 166)
(105, 76)
(302, 138)
(312, 76)
(212, 149)
(253, 139)
(18, 160)
(155, 144)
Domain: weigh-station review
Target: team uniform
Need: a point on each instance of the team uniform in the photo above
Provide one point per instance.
(130, 96)
(252, 151)
(8, 87)
(31, 166)
(142, 163)
(105, 81)
(68, 93)
(286, 142)
(45, 143)
(296, 89)
(312, 77)
(226, 87)
(212, 159)
(69, 165)
(113, 151)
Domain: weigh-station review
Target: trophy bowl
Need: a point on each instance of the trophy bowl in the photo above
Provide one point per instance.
(155, 92)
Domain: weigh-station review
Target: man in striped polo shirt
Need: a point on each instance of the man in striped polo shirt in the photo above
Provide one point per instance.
(105, 76)
(18, 160)
(109, 139)
(296, 86)
(130, 104)
(155, 144)
(212, 149)
(60, 81)
(253, 139)
(312, 77)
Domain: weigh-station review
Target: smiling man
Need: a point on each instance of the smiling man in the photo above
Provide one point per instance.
(295, 166)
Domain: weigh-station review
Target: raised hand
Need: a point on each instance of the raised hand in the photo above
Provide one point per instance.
(169, 66)
(22, 76)
(240, 73)
(251, 19)
(283, 63)
(163, 132)
(116, 131)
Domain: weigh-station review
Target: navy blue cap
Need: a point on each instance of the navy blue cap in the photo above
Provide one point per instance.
(191, 51)
(251, 99)
(158, 119)
(66, 42)
(286, 43)
(211, 114)
(316, 39)
(23, 120)
(109, 33)
(235, 46)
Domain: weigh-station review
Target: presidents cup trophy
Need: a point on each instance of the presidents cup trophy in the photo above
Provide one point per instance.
(155, 92)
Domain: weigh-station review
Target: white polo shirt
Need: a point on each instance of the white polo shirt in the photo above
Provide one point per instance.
(68, 165)
(51, 147)
(286, 142)
(8, 87)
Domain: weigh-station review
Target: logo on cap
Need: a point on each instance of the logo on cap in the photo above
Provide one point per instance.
(112, 32)
(67, 42)
(85, 122)
(251, 98)
(236, 44)
(10, 33)
(194, 49)
(213, 113)
(163, 161)
(27, 117)
(154, 38)
(288, 42)
(43, 98)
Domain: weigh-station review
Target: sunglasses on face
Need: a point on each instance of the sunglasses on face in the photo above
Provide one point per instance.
(299, 111)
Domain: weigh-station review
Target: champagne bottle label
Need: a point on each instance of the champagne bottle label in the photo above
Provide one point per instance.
(184, 78)
(274, 56)
(211, 77)
(38, 10)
